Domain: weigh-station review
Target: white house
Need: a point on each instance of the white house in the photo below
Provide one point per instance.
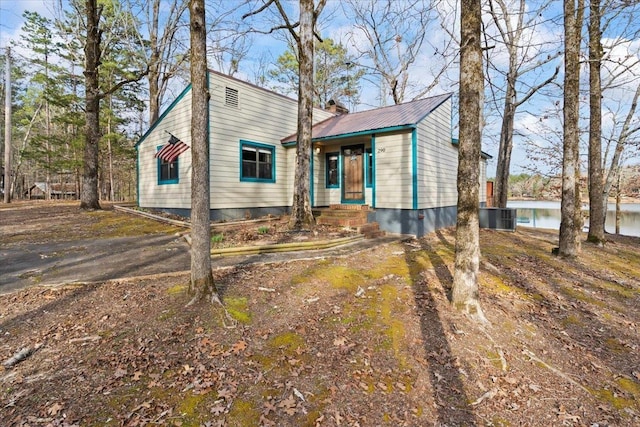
(399, 160)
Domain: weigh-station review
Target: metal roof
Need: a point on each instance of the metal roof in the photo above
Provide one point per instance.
(393, 116)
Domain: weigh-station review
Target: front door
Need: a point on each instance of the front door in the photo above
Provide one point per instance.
(353, 174)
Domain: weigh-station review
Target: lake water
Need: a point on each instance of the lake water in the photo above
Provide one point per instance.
(543, 214)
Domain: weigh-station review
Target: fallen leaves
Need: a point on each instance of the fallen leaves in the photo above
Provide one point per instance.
(340, 342)
(157, 363)
(120, 373)
(239, 347)
(288, 405)
(54, 409)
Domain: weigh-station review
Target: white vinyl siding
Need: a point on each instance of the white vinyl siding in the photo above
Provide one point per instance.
(393, 180)
(178, 122)
(255, 115)
(260, 117)
(437, 160)
(324, 196)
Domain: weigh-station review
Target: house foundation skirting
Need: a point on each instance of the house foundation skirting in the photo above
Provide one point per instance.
(417, 222)
(232, 214)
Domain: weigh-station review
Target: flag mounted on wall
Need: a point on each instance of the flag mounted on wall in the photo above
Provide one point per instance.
(171, 150)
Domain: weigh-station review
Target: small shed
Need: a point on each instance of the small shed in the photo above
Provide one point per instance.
(57, 191)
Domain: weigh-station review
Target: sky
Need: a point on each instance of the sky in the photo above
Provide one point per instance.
(535, 118)
(11, 15)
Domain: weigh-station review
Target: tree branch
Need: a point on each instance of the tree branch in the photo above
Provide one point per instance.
(118, 85)
(536, 88)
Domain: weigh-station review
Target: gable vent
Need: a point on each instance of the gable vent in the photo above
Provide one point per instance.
(230, 97)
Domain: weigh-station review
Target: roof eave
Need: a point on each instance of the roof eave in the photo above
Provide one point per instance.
(486, 156)
(163, 115)
(445, 98)
(355, 134)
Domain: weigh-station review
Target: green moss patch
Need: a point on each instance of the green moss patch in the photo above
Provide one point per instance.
(572, 320)
(243, 413)
(190, 408)
(178, 289)
(394, 265)
(288, 342)
(337, 276)
(630, 386)
(580, 295)
(495, 284)
(111, 224)
(615, 346)
(613, 399)
(238, 308)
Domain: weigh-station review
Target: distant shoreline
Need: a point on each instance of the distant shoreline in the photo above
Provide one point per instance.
(623, 200)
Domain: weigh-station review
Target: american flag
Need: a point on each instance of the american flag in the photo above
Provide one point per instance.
(171, 150)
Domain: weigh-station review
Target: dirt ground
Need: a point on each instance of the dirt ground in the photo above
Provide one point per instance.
(367, 339)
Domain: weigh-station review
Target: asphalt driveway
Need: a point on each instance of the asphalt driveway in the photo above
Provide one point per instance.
(91, 260)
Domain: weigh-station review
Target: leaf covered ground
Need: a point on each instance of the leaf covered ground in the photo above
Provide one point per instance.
(363, 340)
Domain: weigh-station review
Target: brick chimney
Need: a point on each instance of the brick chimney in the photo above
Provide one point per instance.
(336, 108)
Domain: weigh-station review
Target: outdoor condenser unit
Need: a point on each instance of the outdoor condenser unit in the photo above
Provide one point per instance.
(498, 218)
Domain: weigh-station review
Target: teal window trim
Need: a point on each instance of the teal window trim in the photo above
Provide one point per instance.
(327, 180)
(258, 146)
(170, 166)
(368, 167)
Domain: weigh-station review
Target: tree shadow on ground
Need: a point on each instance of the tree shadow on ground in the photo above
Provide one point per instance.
(452, 404)
(28, 318)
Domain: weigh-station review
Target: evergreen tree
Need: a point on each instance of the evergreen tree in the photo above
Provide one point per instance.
(336, 76)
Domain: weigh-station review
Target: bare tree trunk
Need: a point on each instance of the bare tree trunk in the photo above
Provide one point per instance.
(7, 129)
(464, 294)
(202, 286)
(618, 213)
(616, 160)
(110, 152)
(301, 214)
(596, 213)
(154, 66)
(510, 22)
(89, 194)
(501, 189)
(570, 227)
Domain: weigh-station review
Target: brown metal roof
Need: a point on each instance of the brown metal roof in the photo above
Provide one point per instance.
(406, 114)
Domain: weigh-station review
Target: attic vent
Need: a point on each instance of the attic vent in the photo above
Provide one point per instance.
(230, 97)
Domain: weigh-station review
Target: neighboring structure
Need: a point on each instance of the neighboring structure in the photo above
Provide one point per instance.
(400, 160)
(56, 191)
